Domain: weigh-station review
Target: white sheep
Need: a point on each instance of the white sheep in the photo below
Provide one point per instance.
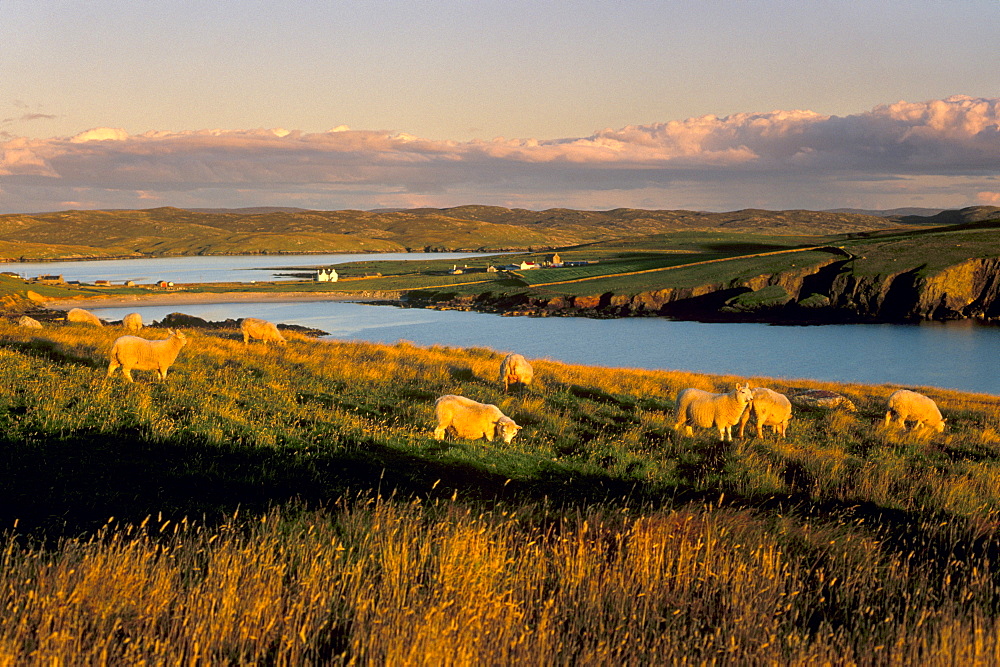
(28, 322)
(132, 352)
(909, 405)
(464, 418)
(132, 322)
(515, 369)
(81, 316)
(705, 409)
(262, 330)
(769, 408)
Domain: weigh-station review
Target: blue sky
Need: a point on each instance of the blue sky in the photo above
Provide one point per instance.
(533, 104)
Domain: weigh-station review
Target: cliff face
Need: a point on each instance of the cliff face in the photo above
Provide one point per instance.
(970, 289)
(826, 292)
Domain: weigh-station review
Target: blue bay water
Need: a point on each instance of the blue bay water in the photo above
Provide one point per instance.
(216, 269)
(957, 355)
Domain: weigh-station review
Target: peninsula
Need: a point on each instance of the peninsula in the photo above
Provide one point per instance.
(762, 266)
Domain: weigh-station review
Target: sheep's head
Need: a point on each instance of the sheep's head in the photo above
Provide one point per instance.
(939, 427)
(506, 429)
(743, 393)
(179, 335)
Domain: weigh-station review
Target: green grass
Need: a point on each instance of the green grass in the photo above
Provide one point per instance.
(289, 503)
(929, 252)
(930, 260)
(170, 231)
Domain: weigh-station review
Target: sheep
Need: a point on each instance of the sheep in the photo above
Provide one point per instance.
(515, 369)
(130, 352)
(132, 322)
(769, 408)
(28, 322)
(705, 409)
(81, 316)
(909, 405)
(263, 330)
(465, 418)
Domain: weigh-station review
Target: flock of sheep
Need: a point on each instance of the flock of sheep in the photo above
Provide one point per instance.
(695, 407)
(465, 418)
(462, 417)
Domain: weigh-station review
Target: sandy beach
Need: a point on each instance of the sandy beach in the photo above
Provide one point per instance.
(181, 298)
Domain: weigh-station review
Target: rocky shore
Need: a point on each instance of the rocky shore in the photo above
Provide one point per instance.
(825, 293)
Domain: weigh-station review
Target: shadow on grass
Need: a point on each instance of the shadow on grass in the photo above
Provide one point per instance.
(737, 248)
(46, 349)
(72, 485)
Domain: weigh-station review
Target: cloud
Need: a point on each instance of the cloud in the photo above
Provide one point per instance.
(100, 134)
(991, 198)
(769, 157)
(28, 117)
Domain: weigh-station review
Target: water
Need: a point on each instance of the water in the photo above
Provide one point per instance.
(237, 268)
(956, 355)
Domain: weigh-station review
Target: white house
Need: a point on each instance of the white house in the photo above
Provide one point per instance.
(327, 276)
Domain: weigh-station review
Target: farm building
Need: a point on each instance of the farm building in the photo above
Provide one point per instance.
(327, 276)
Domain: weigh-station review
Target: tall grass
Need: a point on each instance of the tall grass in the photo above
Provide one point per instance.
(289, 506)
(375, 582)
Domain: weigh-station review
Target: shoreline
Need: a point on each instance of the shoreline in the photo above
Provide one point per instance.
(181, 298)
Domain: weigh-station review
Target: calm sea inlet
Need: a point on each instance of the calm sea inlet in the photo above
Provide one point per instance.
(956, 355)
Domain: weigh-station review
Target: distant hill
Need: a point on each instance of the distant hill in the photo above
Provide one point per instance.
(172, 231)
(250, 210)
(957, 217)
(891, 212)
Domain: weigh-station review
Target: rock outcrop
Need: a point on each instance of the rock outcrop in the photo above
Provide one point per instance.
(827, 291)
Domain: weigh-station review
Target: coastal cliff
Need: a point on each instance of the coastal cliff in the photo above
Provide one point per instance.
(829, 291)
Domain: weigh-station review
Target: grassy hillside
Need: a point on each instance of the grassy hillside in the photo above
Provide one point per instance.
(289, 505)
(900, 274)
(886, 275)
(171, 231)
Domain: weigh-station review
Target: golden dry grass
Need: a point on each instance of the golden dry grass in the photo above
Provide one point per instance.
(599, 536)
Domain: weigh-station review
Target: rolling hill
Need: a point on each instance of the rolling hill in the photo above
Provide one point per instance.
(171, 231)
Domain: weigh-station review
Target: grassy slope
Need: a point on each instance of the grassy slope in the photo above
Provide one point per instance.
(598, 535)
(626, 266)
(171, 231)
(688, 259)
(928, 251)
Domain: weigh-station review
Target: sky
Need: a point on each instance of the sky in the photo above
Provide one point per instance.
(671, 104)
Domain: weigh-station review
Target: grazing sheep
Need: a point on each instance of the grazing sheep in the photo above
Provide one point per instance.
(515, 369)
(132, 322)
(465, 418)
(28, 322)
(769, 408)
(705, 409)
(262, 330)
(129, 352)
(909, 405)
(81, 316)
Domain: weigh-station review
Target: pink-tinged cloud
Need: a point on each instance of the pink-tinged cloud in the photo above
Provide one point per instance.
(767, 156)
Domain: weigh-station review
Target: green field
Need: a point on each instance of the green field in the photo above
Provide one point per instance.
(289, 506)
(883, 275)
(167, 231)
